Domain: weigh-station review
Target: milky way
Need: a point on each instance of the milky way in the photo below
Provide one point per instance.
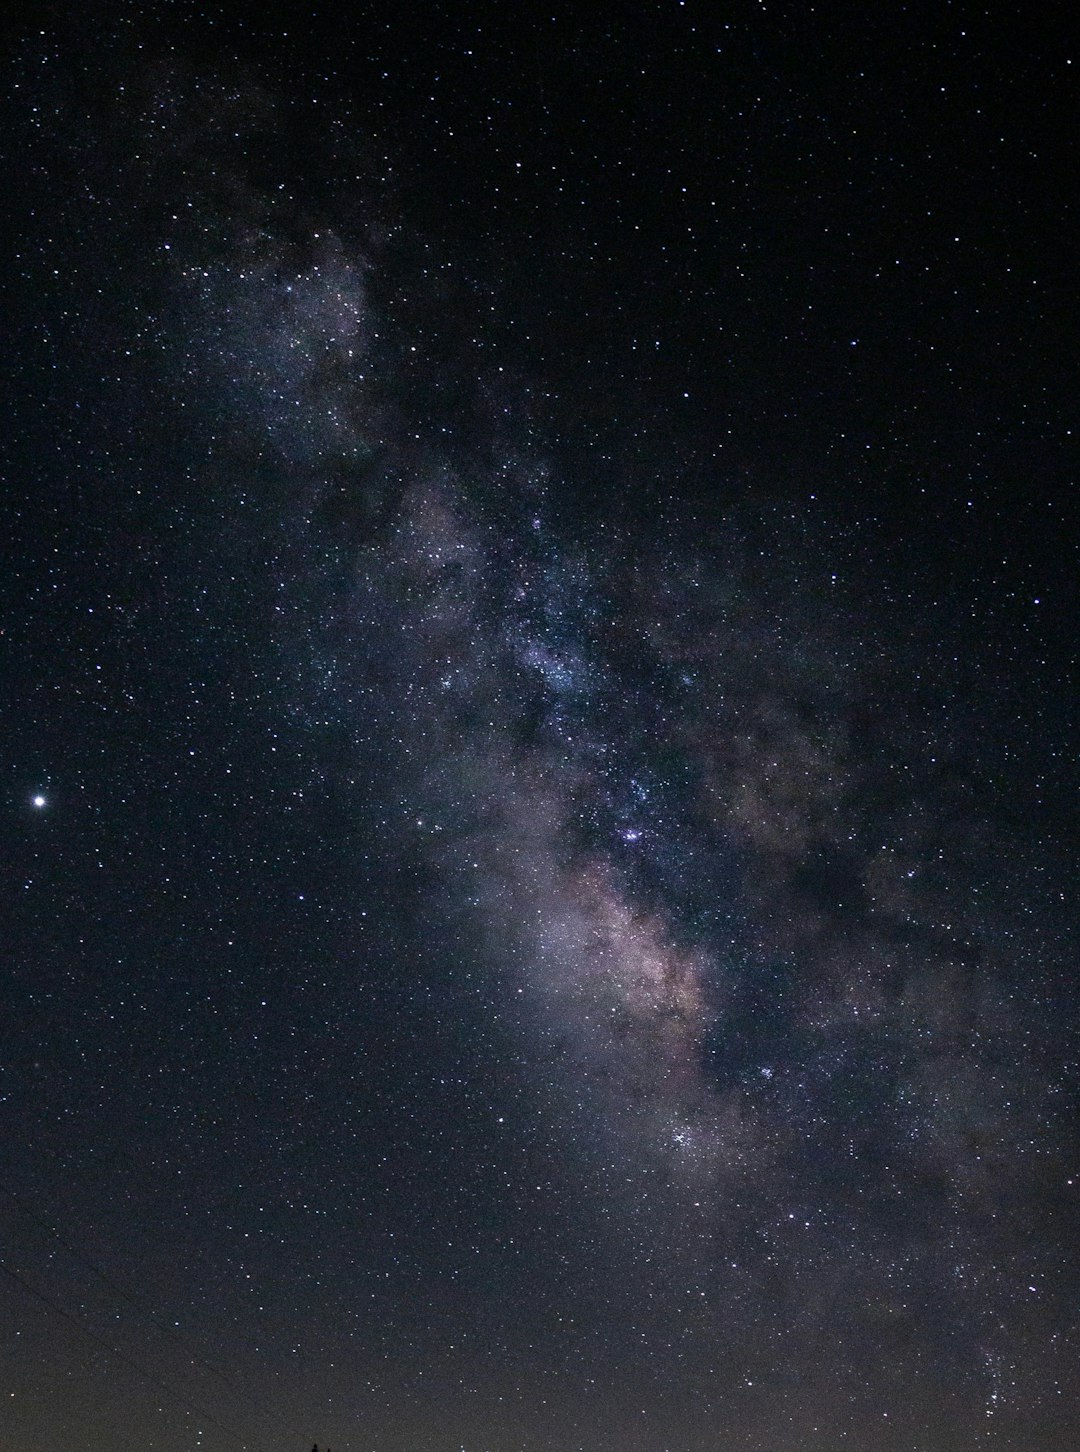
(688, 823)
(755, 942)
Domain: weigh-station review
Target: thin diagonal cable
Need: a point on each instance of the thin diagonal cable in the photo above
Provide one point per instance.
(162, 1386)
(160, 1323)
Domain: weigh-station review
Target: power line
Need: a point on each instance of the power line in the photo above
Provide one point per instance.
(154, 1320)
(117, 1290)
(161, 1385)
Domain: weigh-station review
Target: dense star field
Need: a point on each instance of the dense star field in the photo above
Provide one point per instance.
(538, 731)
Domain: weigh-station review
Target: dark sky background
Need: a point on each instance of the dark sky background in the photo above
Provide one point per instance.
(537, 619)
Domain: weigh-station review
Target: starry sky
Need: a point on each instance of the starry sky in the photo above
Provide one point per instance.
(538, 734)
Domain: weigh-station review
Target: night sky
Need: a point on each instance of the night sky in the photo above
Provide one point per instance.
(538, 732)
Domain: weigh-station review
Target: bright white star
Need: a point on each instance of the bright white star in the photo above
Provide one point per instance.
(38, 801)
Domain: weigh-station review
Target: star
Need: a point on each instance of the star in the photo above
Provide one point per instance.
(38, 801)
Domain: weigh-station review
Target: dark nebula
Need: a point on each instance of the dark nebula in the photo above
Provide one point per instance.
(538, 634)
